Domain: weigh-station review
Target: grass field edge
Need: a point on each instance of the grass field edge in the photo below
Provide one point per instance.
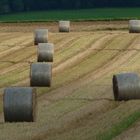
(119, 128)
(73, 20)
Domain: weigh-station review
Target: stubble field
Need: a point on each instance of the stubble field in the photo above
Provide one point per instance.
(80, 103)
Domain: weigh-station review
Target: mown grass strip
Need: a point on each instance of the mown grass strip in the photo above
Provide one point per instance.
(120, 127)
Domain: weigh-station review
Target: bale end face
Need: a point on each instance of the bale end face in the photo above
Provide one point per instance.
(126, 86)
(19, 104)
(45, 52)
(134, 26)
(115, 88)
(64, 26)
(41, 36)
(40, 75)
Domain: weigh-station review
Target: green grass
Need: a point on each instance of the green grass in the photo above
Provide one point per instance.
(76, 15)
(120, 127)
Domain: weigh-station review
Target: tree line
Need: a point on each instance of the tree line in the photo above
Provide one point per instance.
(10, 6)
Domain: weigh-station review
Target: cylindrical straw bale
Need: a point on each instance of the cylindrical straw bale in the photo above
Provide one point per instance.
(45, 52)
(19, 104)
(134, 26)
(40, 75)
(40, 36)
(126, 86)
(64, 26)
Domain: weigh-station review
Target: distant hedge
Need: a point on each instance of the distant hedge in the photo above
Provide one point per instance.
(10, 6)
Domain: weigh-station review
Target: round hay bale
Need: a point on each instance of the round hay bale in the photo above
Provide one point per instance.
(41, 75)
(41, 36)
(64, 26)
(45, 52)
(134, 26)
(126, 86)
(19, 104)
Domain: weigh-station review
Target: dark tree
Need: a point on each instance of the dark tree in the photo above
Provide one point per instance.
(7, 6)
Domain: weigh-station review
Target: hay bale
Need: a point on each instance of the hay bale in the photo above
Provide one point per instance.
(41, 36)
(19, 104)
(126, 86)
(45, 52)
(41, 75)
(64, 26)
(134, 26)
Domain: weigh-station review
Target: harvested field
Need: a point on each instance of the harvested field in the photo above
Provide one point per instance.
(80, 103)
